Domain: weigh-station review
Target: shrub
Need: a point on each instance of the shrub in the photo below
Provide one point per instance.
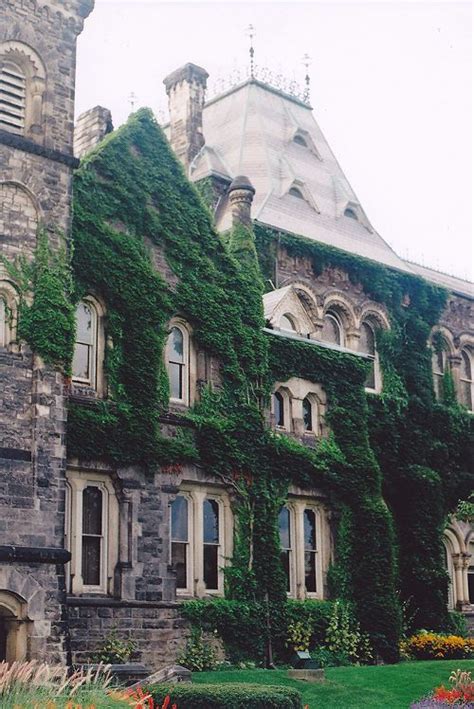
(344, 638)
(115, 651)
(457, 624)
(330, 658)
(229, 696)
(198, 654)
(434, 646)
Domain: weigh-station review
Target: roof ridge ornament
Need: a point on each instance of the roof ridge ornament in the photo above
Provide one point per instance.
(306, 63)
(251, 34)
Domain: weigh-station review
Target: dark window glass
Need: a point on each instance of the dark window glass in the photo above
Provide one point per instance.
(307, 415)
(331, 329)
(310, 550)
(367, 345)
(300, 140)
(176, 380)
(92, 500)
(285, 543)
(295, 192)
(211, 543)
(179, 539)
(350, 213)
(470, 582)
(176, 363)
(279, 409)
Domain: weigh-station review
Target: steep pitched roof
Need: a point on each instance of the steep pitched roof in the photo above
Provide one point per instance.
(251, 130)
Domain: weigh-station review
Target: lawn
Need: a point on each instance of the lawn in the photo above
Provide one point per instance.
(388, 686)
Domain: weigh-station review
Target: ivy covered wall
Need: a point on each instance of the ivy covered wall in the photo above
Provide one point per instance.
(394, 465)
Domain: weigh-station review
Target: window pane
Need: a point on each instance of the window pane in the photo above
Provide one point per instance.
(210, 566)
(310, 571)
(466, 394)
(285, 561)
(176, 345)
(370, 380)
(179, 519)
(309, 529)
(331, 331)
(307, 415)
(211, 522)
(465, 366)
(279, 409)
(2, 323)
(284, 526)
(470, 583)
(367, 339)
(84, 324)
(92, 511)
(176, 380)
(91, 560)
(81, 361)
(179, 561)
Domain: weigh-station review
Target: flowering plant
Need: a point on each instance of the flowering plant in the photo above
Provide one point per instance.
(434, 646)
(461, 694)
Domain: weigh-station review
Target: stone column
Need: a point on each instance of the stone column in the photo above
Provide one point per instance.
(241, 193)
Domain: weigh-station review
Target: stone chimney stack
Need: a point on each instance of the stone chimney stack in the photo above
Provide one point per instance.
(241, 192)
(186, 88)
(91, 127)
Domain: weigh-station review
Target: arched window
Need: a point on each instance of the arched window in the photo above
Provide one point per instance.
(310, 551)
(295, 192)
(465, 380)
(307, 415)
(332, 329)
(84, 363)
(299, 140)
(349, 212)
(180, 550)
(284, 525)
(439, 364)
(279, 409)
(211, 544)
(367, 345)
(178, 358)
(12, 96)
(287, 323)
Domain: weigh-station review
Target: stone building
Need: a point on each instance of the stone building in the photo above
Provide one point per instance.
(94, 541)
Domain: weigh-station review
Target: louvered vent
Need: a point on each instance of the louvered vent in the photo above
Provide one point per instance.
(12, 97)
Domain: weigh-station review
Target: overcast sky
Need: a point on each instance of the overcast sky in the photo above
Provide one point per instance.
(391, 87)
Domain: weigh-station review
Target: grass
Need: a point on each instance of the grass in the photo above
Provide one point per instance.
(387, 686)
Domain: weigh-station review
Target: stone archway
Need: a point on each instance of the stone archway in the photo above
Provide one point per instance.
(13, 627)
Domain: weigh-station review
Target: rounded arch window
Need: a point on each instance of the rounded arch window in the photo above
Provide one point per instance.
(332, 329)
(178, 347)
(439, 363)
(287, 323)
(465, 379)
(84, 363)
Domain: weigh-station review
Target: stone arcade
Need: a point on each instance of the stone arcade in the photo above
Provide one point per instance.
(90, 545)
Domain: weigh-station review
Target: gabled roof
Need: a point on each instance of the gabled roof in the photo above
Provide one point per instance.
(251, 130)
(285, 301)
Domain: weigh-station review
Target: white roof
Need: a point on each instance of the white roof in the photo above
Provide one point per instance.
(250, 129)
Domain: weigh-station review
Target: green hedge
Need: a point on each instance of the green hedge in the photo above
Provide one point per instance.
(228, 696)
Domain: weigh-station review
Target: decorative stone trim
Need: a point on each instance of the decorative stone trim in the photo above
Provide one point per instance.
(28, 146)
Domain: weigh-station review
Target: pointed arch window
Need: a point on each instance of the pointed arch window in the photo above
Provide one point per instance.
(308, 417)
(332, 329)
(279, 409)
(84, 363)
(368, 346)
(439, 365)
(12, 96)
(465, 379)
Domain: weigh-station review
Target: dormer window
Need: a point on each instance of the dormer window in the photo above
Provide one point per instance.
(349, 212)
(295, 192)
(12, 97)
(287, 323)
(299, 140)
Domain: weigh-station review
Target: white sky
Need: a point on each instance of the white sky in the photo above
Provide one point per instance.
(391, 87)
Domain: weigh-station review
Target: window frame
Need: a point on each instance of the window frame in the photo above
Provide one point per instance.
(186, 364)
(465, 380)
(8, 295)
(299, 505)
(291, 590)
(377, 388)
(19, 93)
(333, 315)
(196, 496)
(76, 483)
(93, 346)
(188, 589)
(286, 403)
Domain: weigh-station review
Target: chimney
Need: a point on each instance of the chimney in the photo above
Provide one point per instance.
(186, 89)
(91, 127)
(241, 193)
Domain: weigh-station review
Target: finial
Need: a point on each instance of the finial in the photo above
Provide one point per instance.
(251, 35)
(306, 63)
(131, 99)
